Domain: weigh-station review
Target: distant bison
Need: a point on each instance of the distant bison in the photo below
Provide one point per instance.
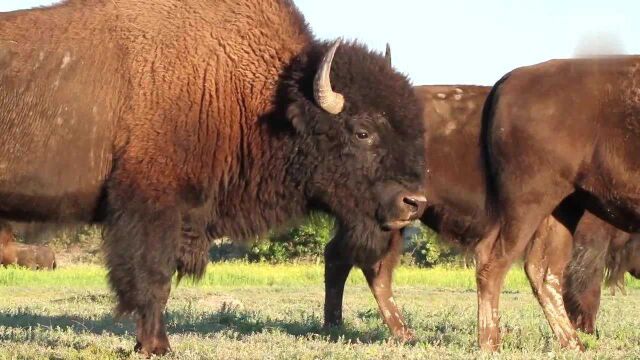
(173, 122)
(31, 256)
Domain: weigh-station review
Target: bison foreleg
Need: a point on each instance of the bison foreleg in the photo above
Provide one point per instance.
(151, 335)
(140, 253)
(379, 277)
(336, 271)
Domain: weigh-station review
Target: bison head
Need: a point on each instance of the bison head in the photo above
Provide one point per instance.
(360, 132)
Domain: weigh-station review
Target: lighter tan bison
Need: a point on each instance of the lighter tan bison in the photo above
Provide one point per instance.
(31, 256)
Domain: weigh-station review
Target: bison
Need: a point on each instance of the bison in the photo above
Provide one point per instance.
(454, 189)
(33, 257)
(559, 139)
(174, 122)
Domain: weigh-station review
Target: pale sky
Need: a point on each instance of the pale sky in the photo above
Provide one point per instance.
(468, 41)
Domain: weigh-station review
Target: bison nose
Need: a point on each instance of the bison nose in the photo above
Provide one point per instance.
(415, 204)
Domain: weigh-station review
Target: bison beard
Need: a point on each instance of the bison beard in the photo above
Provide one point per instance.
(206, 128)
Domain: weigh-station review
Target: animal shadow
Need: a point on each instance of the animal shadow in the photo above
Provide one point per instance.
(237, 323)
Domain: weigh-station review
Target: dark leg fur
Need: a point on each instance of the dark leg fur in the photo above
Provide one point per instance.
(336, 271)
(582, 285)
(379, 278)
(140, 252)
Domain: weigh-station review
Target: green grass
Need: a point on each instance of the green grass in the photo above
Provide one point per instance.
(242, 274)
(255, 311)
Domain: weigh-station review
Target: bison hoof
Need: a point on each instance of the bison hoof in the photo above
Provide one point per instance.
(154, 347)
(331, 325)
(574, 344)
(405, 336)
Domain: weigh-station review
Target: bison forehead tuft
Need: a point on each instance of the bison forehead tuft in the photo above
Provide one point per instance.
(370, 85)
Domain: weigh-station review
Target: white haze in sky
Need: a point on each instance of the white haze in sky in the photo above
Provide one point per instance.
(469, 41)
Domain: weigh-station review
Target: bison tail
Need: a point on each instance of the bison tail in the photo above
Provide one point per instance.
(488, 113)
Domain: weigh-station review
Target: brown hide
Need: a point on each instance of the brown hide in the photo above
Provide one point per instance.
(559, 140)
(455, 184)
(534, 145)
(174, 78)
(456, 192)
(7, 251)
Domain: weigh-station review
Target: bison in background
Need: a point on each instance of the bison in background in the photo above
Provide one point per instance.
(174, 122)
(600, 251)
(34, 257)
(621, 259)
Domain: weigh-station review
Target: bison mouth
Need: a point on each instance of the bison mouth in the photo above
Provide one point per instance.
(404, 209)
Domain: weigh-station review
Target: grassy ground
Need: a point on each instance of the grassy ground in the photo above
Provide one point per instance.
(243, 311)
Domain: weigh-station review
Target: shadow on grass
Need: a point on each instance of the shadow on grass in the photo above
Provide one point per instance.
(236, 323)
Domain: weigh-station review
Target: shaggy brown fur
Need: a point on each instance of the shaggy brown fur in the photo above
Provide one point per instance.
(173, 122)
(594, 242)
(455, 188)
(622, 257)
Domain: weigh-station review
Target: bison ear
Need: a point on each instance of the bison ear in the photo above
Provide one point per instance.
(296, 115)
(387, 54)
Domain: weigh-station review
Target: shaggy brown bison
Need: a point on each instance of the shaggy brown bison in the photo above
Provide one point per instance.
(455, 189)
(31, 256)
(173, 122)
(559, 138)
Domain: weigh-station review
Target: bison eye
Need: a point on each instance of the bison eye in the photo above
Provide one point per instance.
(362, 135)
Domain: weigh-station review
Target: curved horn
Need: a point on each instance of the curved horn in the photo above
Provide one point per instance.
(387, 54)
(330, 101)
